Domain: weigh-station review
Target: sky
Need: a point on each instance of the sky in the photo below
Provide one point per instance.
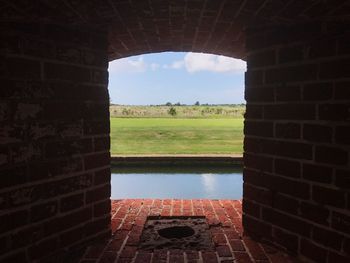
(174, 77)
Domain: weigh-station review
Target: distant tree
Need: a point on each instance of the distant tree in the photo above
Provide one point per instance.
(172, 111)
(177, 104)
(168, 104)
(197, 103)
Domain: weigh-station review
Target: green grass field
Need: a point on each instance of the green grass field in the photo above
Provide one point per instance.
(132, 136)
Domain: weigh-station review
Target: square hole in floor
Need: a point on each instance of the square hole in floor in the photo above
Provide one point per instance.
(176, 233)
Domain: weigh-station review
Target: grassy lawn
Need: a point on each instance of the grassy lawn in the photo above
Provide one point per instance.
(176, 136)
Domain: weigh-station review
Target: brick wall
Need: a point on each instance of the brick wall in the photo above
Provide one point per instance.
(54, 140)
(296, 148)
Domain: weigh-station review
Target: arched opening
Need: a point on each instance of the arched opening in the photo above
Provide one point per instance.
(54, 133)
(194, 152)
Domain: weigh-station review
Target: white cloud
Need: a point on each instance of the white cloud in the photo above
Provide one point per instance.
(178, 64)
(195, 62)
(128, 65)
(154, 66)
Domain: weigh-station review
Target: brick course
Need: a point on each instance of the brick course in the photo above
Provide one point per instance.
(308, 212)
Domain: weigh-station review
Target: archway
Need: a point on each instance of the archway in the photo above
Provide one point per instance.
(296, 146)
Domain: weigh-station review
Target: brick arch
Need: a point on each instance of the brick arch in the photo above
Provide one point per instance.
(54, 114)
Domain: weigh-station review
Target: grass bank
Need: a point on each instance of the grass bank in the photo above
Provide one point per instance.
(137, 136)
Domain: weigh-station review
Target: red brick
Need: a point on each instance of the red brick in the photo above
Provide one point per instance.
(342, 134)
(285, 203)
(43, 211)
(286, 221)
(72, 202)
(237, 245)
(334, 112)
(288, 93)
(258, 162)
(98, 194)
(342, 91)
(286, 239)
(242, 257)
(256, 194)
(291, 74)
(261, 59)
(102, 208)
(255, 249)
(342, 179)
(317, 133)
(313, 251)
(318, 91)
(327, 238)
(287, 168)
(328, 196)
(289, 112)
(13, 220)
(251, 208)
(223, 251)
(334, 257)
(341, 222)
(335, 69)
(256, 228)
(316, 213)
(209, 257)
(317, 173)
(253, 112)
(143, 257)
(253, 78)
(96, 160)
(331, 155)
(102, 176)
(287, 130)
(263, 129)
(16, 257)
(291, 54)
(260, 94)
(66, 72)
(43, 249)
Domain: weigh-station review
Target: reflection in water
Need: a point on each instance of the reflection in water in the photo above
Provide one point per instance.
(209, 182)
(177, 185)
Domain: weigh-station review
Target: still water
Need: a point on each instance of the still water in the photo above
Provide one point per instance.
(179, 183)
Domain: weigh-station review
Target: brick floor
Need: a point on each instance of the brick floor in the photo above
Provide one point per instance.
(224, 220)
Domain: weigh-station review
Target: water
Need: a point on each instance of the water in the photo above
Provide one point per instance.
(179, 183)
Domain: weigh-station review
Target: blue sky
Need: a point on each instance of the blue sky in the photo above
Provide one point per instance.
(176, 77)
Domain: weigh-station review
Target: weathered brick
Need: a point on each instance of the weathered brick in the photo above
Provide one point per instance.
(66, 72)
(328, 196)
(287, 168)
(288, 130)
(334, 112)
(288, 93)
(331, 155)
(72, 202)
(260, 94)
(342, 134)
(341, 222)
(335, 69)
(342, 179)
(288, 222)
(318, 91)
(289, 112)
(317, 173)
(313, 251)
(291, 74)
(327, 238)
(43, 211)
(288, 240)
(264, 129)
(316, 213)
(317, 133)
(291, 54)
